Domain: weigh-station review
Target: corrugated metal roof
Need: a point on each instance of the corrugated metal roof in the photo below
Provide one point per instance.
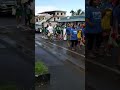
(72, 19)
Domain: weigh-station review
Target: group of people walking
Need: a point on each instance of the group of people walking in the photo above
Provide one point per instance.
(24, 12)
(73, 33)
(102, 26)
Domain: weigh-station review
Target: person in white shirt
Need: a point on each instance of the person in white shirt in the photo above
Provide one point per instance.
(50, 31)
(50, 28)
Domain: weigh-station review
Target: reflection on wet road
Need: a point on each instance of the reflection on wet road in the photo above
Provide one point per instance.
(62, 52)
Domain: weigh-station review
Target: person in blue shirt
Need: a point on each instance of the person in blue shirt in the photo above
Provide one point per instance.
(68, 30)
(93, 30)
(73, 38)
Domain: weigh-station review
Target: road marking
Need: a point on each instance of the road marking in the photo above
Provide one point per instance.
(38, 43)
(65, 48)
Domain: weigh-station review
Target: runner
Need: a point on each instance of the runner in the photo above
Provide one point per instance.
(93, 29)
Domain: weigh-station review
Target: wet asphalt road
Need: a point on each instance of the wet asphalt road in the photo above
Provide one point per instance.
(64, 74)
(97, 77)
(14, 68)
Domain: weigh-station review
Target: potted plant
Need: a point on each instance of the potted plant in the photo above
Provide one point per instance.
(42, 75)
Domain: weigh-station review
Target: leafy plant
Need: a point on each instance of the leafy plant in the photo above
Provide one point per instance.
(40, 68)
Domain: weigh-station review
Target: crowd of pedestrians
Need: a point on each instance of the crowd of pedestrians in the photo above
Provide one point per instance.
(102, 27)
(74, 34)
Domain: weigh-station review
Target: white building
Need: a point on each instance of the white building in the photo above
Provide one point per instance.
(50, 17)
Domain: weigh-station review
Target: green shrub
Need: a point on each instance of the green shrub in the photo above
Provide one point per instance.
(40, 68)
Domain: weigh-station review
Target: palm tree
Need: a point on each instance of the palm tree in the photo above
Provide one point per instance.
(82, 12)
(72, 12)
(78, 12)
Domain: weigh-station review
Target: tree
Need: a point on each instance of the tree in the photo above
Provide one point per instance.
(72, 12)
(82, 12)
(78, 12)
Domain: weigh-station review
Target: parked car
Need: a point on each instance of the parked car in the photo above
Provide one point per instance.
(6, 6)
(38, 28)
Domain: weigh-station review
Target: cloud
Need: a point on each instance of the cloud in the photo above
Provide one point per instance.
(39, 9)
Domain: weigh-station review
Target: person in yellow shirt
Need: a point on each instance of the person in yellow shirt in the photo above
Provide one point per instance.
(106, 27)
(79, 36)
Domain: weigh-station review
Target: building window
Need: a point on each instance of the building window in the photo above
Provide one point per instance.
(61, 13)
(57, 17)
(57, 13)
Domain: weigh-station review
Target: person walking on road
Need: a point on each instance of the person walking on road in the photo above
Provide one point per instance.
(79, 36)
(68, 30)
(50, 31)
(73, 38)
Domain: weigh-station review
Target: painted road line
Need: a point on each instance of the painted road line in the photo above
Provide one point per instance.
(65, 48)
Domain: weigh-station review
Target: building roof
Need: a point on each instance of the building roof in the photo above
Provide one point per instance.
(50, 12)
(73, 18)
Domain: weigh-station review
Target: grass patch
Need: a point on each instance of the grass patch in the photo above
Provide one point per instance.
(40, 68)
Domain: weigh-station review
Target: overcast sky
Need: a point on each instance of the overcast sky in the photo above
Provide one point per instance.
(65, 5)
